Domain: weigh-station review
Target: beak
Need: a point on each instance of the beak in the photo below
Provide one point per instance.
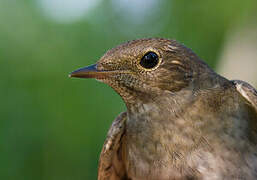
(88, 72)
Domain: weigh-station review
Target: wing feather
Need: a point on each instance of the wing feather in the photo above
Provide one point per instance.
(110, 163)
(247, 91)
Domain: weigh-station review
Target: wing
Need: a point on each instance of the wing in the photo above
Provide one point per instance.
(247, 91)
(110, 164)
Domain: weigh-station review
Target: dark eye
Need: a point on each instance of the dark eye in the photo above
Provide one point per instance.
(149, 60)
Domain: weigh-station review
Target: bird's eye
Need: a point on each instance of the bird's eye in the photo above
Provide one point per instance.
(149, 60)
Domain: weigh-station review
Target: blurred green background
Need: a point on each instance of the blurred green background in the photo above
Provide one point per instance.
(53, 127)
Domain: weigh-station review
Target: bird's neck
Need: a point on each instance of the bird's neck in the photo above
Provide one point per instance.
(157, 114)
(168, 102)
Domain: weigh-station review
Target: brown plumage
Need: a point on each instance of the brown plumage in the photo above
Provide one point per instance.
(183, 120)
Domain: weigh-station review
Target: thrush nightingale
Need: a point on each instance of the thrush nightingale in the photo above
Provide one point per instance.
(183, 120)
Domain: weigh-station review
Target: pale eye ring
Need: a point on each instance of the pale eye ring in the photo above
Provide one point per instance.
(149, 60)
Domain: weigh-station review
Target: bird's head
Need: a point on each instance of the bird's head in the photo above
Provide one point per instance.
(146, 67)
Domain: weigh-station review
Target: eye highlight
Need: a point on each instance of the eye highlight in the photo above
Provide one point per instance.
(149, 60)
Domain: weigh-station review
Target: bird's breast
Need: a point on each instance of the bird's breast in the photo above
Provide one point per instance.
(157, 141)
(162, 142)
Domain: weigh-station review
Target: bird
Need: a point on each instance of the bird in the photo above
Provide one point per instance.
(183, 121)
